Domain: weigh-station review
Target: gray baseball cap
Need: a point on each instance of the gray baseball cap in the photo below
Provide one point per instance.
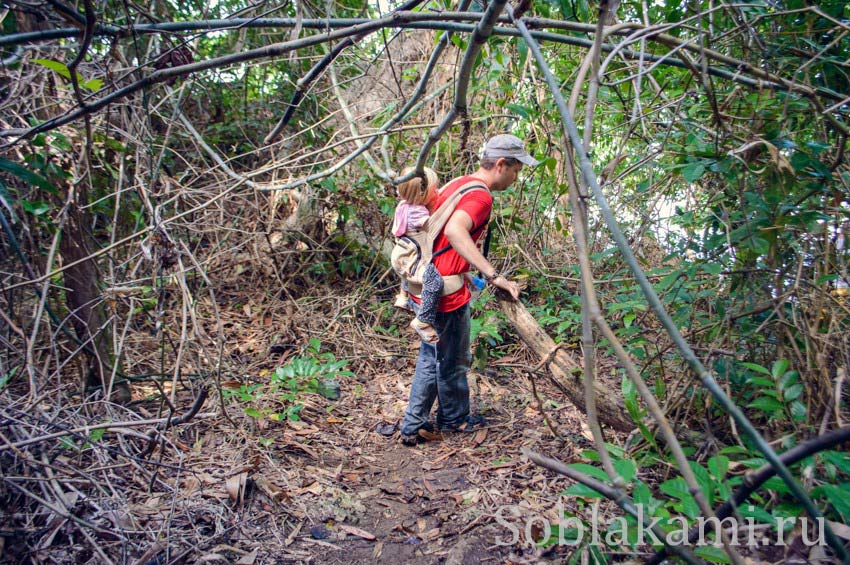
(507, 145)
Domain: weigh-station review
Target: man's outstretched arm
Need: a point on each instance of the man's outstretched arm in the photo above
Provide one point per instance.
(457, 232)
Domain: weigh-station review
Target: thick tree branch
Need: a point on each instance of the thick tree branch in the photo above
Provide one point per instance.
(482, 31)
(444, 21)
(406, 20)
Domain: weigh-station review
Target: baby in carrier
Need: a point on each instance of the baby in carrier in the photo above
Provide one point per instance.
(414, 208)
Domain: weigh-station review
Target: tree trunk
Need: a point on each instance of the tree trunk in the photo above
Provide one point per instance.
(566, 369)
(82, 290)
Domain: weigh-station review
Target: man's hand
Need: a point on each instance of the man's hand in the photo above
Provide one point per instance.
(510, 287)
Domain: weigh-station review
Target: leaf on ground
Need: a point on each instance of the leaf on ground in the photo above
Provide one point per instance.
(235, 486)
(357, 532)
(839, 529)
(248, 558)
(315, 488)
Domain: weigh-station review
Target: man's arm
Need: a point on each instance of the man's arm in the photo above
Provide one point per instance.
(457, 232)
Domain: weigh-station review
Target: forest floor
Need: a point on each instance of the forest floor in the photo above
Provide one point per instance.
(232, 485)
(337, 486)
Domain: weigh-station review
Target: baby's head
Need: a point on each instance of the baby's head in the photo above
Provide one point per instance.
(412, 190)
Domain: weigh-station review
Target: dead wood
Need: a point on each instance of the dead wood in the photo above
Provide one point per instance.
(566, 368)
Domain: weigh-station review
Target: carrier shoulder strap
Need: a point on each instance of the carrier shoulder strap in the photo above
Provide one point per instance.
(444, 211)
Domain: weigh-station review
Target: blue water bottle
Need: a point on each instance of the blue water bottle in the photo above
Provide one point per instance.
(477, 285)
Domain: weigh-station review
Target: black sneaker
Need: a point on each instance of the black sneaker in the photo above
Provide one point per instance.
(469, 426)
(412, 439)
(422, 435)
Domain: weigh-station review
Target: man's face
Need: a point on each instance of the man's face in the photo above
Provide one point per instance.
(506, 174)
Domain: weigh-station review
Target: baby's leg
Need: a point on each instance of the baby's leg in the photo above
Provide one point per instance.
(432, 289)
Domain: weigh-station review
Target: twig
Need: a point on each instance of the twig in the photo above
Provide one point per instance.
(86, 429)
(542, 408)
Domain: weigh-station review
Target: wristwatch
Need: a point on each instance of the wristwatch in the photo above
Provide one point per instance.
(495, 275)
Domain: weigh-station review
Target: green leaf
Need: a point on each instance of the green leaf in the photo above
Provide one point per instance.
(27, 175)
(793, 391)
(677, 488)
(36, 208)
(590, 470)
(630, 398)
(838, 497)
(718, 466)
(93, 85)
(522, 51)
(315, 344)
(777, 484)
(779, 368)
(521, 111)
(766, 404)
(762, 382)
(4, 380)
(641, 494)
(97, 434)
(704, 480)
(712, 268)
(60, 68)
(693, 171)
(627, 469)
(840, 460)
(67, 443)
(798, 411)
(788, 379)
(756, 368)
(253, 412)
(756, 513)
(712, 554)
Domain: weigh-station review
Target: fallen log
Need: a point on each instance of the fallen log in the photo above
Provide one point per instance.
(567, 369)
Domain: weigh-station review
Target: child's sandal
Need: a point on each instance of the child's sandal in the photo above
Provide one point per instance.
(426, 331)
(401, 302)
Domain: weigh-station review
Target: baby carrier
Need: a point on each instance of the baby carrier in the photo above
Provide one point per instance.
(415, 250)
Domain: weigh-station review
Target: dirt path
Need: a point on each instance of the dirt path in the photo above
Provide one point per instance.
(361, 497)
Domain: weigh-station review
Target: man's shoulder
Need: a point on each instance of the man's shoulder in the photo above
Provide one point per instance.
(455, 184)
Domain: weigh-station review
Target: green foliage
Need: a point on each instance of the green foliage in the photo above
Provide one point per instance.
(671, 503)
(10, 374)
(775, 392)
(309, 373)
(62, 69)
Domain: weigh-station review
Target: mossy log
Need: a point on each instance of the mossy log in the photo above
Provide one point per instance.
(567, 369)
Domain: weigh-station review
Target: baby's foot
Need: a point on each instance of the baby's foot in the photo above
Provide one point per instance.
(401, 302)
(425, 330)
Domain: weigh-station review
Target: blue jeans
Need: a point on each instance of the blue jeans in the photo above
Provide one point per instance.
(441, 375)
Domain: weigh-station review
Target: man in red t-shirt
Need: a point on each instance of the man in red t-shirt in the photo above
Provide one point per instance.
(441, 367)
